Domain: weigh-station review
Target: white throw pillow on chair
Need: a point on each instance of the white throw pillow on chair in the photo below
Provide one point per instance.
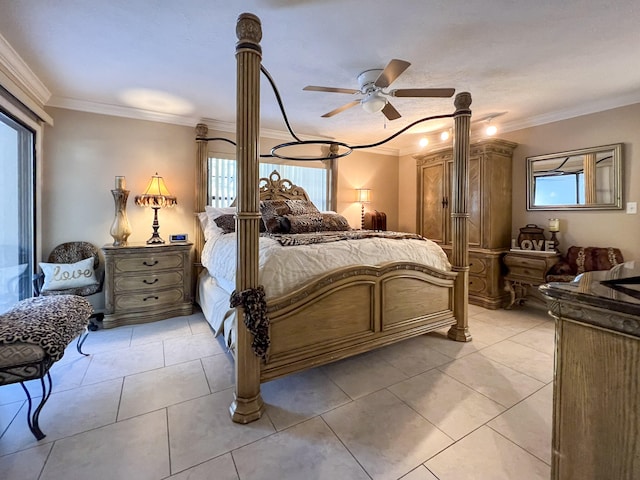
(63, 276)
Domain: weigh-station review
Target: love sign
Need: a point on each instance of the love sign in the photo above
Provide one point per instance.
(538, 245)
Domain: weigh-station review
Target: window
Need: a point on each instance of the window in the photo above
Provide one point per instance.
(17, 236)
(565, 189)
(313, 177)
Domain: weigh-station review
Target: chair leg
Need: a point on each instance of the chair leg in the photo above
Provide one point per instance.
(34, 420)
(80, 342)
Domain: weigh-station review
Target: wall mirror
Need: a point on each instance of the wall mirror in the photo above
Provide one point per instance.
(588, 179)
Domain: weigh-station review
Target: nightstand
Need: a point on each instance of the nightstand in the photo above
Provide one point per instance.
(526, 268)
(144, 283)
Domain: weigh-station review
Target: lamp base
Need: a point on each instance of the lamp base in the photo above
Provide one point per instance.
(155, 238)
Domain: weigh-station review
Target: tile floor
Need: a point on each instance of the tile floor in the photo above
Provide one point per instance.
(151, 402)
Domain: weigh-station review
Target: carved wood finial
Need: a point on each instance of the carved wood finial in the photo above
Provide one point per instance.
(462, 101)
(201, 130)
(248, 29)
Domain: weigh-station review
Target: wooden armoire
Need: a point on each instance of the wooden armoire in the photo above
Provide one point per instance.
(489, 210)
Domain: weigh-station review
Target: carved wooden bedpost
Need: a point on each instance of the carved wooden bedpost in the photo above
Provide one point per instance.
(202, 154)
(460, 216)
(247, 405)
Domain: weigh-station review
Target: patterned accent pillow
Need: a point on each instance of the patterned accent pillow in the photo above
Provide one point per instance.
(319, 222)
(276, 224)
(273, 210)
(62, 276)
(227, 223)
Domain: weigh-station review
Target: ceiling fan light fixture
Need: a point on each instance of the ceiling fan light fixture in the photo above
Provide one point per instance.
(373, 102)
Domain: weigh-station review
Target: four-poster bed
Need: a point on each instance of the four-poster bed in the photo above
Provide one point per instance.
(347, 310)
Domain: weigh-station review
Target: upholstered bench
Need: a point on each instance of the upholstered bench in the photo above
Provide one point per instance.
(33, 336)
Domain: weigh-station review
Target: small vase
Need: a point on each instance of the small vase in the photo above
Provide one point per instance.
(120, 228)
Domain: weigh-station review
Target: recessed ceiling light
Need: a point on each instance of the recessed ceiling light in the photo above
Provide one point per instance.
(156, 101)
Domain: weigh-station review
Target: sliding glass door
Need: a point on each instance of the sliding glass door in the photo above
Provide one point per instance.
(17, 186)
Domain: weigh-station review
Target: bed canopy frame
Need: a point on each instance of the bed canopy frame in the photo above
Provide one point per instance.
(248, 405)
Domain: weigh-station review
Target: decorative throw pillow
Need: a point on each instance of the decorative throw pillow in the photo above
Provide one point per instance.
(315, 222)
(273, 210)
(227, 223)
(62, 276)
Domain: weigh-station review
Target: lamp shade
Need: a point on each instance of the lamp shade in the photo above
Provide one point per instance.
(156, 195)
(373, 102)
(363, 195)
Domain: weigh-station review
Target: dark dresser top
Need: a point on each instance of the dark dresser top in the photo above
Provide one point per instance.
(611, 306)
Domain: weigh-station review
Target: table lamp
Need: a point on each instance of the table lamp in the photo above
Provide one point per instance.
(156, 196)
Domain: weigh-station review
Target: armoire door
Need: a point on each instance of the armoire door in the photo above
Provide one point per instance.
(434, 202)
(474, 207)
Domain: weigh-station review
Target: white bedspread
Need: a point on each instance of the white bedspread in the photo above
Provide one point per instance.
(282, 269)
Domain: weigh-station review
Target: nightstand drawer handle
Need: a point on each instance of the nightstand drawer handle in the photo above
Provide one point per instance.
(150, 283)
(155, 262)
(150, 296)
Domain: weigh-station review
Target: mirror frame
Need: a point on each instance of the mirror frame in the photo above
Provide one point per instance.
(616, 150)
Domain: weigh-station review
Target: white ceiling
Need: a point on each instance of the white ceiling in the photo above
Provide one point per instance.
(538, 61)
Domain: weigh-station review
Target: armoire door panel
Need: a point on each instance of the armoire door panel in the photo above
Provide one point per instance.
(433, 203)
(475, 204)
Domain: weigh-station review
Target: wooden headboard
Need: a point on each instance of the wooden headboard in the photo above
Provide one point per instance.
(277, 188)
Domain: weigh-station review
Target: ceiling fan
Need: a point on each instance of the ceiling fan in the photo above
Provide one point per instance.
(373, 97)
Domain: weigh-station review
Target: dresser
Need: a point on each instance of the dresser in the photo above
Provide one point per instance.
(489, 208)
(596, 385)
(145, 283)
(526, 268)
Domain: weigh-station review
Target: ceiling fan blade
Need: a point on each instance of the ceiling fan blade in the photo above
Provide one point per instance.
(313, 88)
(423, 92)
(341, 109)
(392, 71)
(390, 112)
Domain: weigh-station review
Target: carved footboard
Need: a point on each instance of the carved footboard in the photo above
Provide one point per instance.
(355, 310)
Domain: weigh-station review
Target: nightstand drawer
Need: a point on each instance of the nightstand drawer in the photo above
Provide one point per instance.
(477, 266)
(477, 285)
(148, 263)
(530, 274)
(126, 283)
(144, 300)
(528, 263)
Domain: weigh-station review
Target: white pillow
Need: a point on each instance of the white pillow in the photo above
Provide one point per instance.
(204, 220)
(62, 276)
(212, 230)
(215, 212)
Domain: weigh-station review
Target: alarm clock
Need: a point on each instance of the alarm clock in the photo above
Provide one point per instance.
(178, 238)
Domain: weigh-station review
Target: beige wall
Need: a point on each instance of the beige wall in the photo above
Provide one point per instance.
(83, 153)
(368, 170)
(585, 228)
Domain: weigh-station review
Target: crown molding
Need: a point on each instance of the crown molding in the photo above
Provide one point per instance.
(15, 68)
(217, 125)
(595, 106)
(120, 111)
(20, 81)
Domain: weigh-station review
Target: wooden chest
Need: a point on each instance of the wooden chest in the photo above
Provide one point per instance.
(375, 220)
